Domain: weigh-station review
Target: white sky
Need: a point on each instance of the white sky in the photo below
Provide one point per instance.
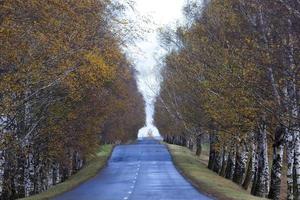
(147, 50)
(162, 11)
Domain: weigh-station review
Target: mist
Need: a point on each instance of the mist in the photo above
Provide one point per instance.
(146, 52)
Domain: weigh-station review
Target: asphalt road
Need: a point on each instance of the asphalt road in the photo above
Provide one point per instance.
(142, 171)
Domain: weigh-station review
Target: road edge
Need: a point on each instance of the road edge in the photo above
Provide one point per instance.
(105, 162)
(196, 184)
(215, 186)
(189, 179)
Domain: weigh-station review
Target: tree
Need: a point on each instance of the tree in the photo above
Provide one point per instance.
(63, 79)
(234, 70)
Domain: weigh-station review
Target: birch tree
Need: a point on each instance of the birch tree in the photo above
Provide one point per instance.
(243, 65)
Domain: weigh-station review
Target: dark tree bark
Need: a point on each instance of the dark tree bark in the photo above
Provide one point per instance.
(217, 162)
(230, 165)
(198, 145)
(276, 171)
(250, 168)
(212, 151)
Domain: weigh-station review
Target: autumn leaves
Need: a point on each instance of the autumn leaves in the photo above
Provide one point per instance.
(235, 77)
(66, 87)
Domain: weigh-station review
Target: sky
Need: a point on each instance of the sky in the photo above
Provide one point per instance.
(147, 51)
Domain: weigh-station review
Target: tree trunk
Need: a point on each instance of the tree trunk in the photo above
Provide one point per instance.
(297, 166)
(241, 164)
(290, 164)
(277, 164)
(230, 168)
(50, 177)
(212, 151)
(190, 144)
(292, 95)
(29, 175)
(2, 162)
(249, 175)
(55, 174)
(224, 163)
(198, 145)
(250, 169)
(9, 191)
(261, 187)
(255, 165)
(19, 178)
(217, 163)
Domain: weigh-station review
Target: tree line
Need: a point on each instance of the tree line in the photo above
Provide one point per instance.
(66, 87)
(232, 74)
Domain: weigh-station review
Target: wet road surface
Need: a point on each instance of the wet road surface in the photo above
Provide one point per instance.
(142, 171)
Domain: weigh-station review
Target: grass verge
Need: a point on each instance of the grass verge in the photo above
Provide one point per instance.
(94, 164)
(195, 169)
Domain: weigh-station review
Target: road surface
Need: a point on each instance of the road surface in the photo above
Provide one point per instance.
(142, 171)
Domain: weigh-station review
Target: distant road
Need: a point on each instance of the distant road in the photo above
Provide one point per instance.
(142, 171)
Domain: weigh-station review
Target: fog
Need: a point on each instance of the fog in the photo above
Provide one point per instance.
(146, 51)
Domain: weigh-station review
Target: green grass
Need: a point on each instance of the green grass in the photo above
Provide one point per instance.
(91, 168)
(195, 169)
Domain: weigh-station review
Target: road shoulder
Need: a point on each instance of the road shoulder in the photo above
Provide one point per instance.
(207, 182)
(95, 164)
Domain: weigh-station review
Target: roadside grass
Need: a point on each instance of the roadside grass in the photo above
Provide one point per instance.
(195, 169)
(94, 164)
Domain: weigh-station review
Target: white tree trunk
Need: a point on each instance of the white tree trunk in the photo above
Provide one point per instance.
(241, 164)
(50, 177)
(297, 165)
(261, 187)
(29, 175)
(2, 161)
(290, 161)
(56, 176)
(292, 98)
